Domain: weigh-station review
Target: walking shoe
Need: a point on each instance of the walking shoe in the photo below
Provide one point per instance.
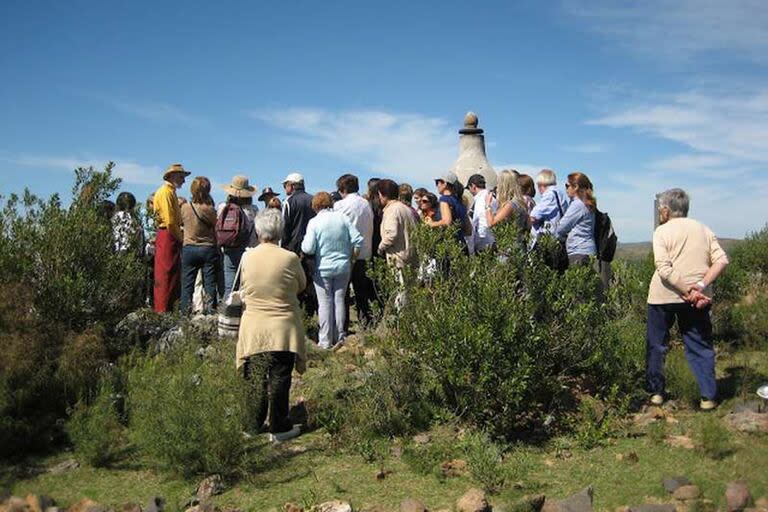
(657, 399)
(285, 436)
(706, 404)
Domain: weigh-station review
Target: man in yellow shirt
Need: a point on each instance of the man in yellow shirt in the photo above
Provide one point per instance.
(169, 239)
(688, 259)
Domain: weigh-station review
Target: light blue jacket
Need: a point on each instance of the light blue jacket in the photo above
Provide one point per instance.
(331, 238)
(577, 228)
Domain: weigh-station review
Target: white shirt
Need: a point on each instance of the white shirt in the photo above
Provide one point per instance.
(360, 215)
(483, 235)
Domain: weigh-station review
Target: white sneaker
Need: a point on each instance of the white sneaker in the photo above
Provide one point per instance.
(657, 399)
(285, 436)
(705, 404)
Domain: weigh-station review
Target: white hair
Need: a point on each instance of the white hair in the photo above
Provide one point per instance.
(269, 225)
(546, 177)
(675, 200)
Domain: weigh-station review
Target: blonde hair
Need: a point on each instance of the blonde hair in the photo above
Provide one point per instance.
(508, 190)
(546, 177)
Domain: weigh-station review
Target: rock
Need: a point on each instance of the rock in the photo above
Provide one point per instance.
(630, 457)
(532, 503)
(292, 507)
(64, 466)
(474, 500)
(37, 503)
(130, 507)
(54, 509)
(333, 506)
(749, 406)
(648, 416)
(748, 421)
(14, 504)
(454, 468)
(737, 496)
(412, 505)
(209, 487)
(421, 438)
(169, 339)
(762, 502)
(672, 483)
(653, 507)
(86, 505)
(687, 493)
(579, 502)
(155, 504)
(680, 442)
(204, 507)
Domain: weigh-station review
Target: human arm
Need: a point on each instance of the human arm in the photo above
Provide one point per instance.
(167, 209)
(298, 272)
(500, 216)
(663, 262)
(355, 238)
(446, 216)
(309, 244)
(388, 232)
(544, 209)
(571, 217)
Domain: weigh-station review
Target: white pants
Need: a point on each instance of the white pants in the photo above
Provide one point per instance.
(331, 311)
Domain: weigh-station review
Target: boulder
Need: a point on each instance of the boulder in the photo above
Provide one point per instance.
(474, 500)
(412, 505)
(653, 507)
(737, 496)
(142, 325)
(579, 502)
(687, 493)
(209, 487)
(333, 506)
(672, 483)
(748, 421)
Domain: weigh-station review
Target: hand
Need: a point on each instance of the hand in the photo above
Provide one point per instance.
(489, 198)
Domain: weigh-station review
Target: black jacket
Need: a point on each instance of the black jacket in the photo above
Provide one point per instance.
(297, 210)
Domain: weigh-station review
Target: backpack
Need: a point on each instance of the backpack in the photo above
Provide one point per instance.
(605, 237)
(232, 227)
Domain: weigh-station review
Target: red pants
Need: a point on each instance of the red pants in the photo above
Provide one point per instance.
(167, 271)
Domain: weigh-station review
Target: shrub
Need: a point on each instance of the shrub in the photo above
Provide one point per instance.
(484, 460)
(187, 412)
(714, 439)
(95, 428)
(681, 382)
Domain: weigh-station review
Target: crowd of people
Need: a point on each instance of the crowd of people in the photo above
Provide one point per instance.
(305, 254)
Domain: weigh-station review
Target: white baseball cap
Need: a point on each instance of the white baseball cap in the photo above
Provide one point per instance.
(294, 177)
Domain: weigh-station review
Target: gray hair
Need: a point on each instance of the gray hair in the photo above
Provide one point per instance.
(676, 201)
(546, 177)
(269, 225)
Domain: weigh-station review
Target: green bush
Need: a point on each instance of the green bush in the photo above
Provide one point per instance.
(714, 439)
(95, 429)
(485, 462)
(681, 383)
(187, 412)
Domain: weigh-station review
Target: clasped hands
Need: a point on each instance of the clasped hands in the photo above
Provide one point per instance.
(696, 298)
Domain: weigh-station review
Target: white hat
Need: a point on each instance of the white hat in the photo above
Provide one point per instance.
(294, 177)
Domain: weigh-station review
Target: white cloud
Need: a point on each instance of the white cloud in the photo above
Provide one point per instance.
(411, 146)
(586, 148)
(682, 29)
(130, 171)
(157, 111)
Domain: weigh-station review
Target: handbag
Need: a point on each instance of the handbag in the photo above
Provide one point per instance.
(231, 311)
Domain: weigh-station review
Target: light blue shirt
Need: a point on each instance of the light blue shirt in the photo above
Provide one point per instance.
(577, 227)
(331, 237)
(546, 213)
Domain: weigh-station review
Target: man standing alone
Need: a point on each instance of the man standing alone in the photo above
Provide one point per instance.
(169, 239)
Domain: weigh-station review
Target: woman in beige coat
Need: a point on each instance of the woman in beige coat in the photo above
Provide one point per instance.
(271, 341)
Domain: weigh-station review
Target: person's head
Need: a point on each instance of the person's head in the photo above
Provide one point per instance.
(578, 185)
(448, 184)
(150, 204)
(322, 201)
(388, 191)
(266, 195)
(428, 202)
(175, 174)
(347, 184)
(476, 183)
(418, 194)
(405, 193)
(181, 200)
(673, 203)
(201, 190)
(274, 202)
(125, 202)
(545, 179)
(268, 224)
(107, 208)
(508, 189)
(293, 182)
(527, 187)
(373, 189)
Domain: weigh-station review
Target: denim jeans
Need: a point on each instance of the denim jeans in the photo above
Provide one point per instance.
(232, 257)
(193, 259)
(331, 309)
(696, 328)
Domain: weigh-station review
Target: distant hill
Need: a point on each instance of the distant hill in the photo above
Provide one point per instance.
(638, 250)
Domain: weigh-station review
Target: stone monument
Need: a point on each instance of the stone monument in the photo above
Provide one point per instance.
(472, 159)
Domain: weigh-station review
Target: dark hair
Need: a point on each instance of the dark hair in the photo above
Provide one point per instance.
(527, 186)
(388, 189)
(240, 201)
(348, 184)
(125, 202)
(107, 208)
(201, 190)
(405, 193)
(420, 192)
(432, 198)
(477, 180)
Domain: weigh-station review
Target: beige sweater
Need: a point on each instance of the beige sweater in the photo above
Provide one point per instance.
(270, 280)
(396, 224)
(683, 250)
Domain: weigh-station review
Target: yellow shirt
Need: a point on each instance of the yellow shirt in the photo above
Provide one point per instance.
(167, 211)
(683, 250)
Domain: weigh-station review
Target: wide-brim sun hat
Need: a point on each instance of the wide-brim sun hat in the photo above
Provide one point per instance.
(267, 193)
(175, 169)
(294, 177)
(240, 187)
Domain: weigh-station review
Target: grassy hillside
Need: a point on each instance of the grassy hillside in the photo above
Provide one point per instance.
(638, 250)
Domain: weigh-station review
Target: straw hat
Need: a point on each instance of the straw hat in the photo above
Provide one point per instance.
(173, 169)
(240, 187)
(267, 193)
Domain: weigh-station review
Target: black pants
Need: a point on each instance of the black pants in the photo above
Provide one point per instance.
(307, 297)
(273, 369)
(365, 293)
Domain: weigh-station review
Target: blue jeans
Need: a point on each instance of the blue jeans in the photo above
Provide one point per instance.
(193, 259)
(331, 308)
(696, 328)
(232, 257)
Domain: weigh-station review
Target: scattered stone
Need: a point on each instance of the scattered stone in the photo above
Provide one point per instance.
(170, 338)
(86, 505)
(209, 487)
(673, 483)
(749, 406)
(649, 415)
(156, 504)
(737, 496)
(333, 506)
(64, 466)
(14, 504)
(474, 500)
(579, 502)
(412, 505)
(206, 506)
(748, 421)
(532, 503)
(653, 507)
(687, 493)
(421, 438)
(37, 503)
(453, 468)
(131, 507)
(762, 502)
(292, 507)
(630, 457)
(680, 442)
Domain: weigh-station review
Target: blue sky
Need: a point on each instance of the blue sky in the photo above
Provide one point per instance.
(640, 98)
